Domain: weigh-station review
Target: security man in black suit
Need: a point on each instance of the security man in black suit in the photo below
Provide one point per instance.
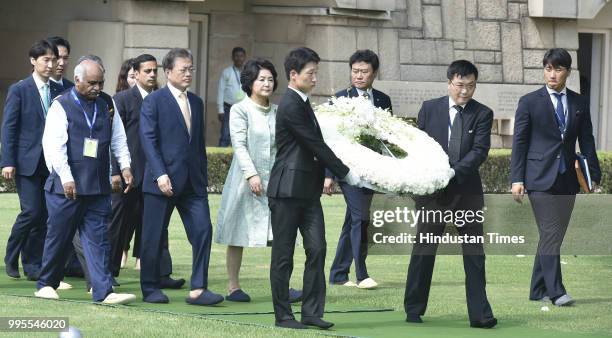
(462, 126)
(353, 241)
(128, 208)
(294, 192)
(547, 124)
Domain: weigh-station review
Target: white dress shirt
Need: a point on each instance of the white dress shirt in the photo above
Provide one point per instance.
(554, 100)
(59, 82)
(360, 92)
(302, 95)
(143, 92)
(40, 84)
(176, 92)
(55, 138)
(229, 90)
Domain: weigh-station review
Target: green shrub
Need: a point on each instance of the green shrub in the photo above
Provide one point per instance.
(495, 172)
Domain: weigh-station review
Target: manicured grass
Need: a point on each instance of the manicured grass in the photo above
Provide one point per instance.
(588, 279)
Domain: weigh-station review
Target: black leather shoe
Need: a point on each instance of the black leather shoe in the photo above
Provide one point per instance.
(485, 323)
(156, 297)
(295, 296)
(291, 324)
(12, 272)
(167, 282)
(318, 322)
(34, 276)
(413, 318)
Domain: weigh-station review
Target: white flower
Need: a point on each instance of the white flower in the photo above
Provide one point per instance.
(425, 168)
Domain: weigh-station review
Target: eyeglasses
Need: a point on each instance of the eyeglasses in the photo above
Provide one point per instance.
(190, 70)
(461, 86)
(557, 70)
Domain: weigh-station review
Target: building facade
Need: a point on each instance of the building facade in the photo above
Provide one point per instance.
(415, 40)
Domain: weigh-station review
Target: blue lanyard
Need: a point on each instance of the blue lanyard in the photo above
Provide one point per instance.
(89, 122)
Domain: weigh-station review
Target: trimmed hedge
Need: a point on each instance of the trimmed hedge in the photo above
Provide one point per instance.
(495, 172)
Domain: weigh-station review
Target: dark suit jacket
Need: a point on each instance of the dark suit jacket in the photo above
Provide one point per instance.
(537, 142)
(67, 83)
(381, 100)
(167, 146)
(475, 143)
(302, 155)
(128, 104)
(23, 126)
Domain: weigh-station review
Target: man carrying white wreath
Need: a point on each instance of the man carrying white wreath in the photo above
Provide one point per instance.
(462, 126)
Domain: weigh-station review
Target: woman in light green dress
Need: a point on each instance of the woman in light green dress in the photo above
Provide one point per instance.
(244, 216)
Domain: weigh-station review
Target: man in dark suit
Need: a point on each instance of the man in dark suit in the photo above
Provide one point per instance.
(175, 175)
(25, 111)
(294, 192)
(63, 49)
(128, 208)
(353, 241)
(462, 126)
(547, 124)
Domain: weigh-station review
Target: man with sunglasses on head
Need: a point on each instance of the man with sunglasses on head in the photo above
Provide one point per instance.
(462, 126)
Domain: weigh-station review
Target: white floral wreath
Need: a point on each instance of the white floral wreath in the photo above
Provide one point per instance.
(422, 171)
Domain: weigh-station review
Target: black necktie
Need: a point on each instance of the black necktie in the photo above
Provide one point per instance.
(454, 144)
(311, 114)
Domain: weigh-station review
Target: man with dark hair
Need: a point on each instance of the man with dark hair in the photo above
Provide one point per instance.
(462, 126)
(294, 193)
(229, 92)
(25, 111)
(78, 139)
(353, 241)
(547, 124)
(128, 208)
(172, 138)
(63, 49)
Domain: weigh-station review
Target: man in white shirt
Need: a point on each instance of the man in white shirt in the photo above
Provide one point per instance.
(77, 142)
(229, 92)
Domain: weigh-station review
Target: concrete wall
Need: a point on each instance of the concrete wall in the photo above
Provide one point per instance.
(113, 30)
(415, 44)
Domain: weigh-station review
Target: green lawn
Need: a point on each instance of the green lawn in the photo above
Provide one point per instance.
(375, 313)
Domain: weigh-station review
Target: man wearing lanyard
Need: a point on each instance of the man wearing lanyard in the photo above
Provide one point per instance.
(229, 92)
(77, 142)
(25, 111)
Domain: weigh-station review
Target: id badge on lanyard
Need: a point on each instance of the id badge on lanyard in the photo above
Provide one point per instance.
(90, 144)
